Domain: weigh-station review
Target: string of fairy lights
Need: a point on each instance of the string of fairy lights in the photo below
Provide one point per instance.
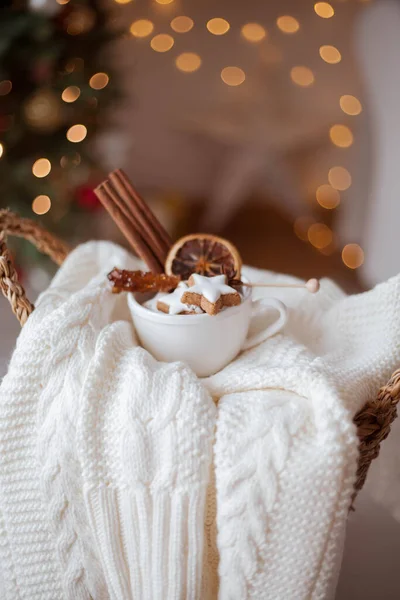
(76, 133)
(328, 194)
(44, 107)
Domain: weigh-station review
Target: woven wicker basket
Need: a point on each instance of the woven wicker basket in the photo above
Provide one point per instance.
(373, 420)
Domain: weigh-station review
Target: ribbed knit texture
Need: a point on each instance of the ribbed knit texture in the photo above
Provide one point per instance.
(146, 437)
(124, 478)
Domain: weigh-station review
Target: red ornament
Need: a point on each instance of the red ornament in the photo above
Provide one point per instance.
(86, 198)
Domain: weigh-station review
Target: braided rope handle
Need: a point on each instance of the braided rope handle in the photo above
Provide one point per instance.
(45, 242)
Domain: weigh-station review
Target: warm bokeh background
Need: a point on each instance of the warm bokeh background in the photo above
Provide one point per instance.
(274, 124)
(271, 123)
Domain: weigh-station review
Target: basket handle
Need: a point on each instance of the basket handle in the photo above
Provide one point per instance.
(45, 242)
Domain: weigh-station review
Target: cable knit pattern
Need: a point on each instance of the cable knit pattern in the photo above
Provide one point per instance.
(28, 551)
(70, 347)
(146, 443)
(111, 486)
(327, 346)
(259, 475)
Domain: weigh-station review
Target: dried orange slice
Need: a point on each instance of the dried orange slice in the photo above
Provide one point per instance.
(204, 254)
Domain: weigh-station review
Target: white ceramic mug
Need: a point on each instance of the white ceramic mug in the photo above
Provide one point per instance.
(205, 343)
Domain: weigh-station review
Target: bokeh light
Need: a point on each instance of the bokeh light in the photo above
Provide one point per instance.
(141, 28)
(162, 42)
(80, 20)
(98, 81)
(233, 76)
(302, 76)
(72, 160)
(41, 167)
(341, 136)
(339, 178)
(164, 1)
(41, 205)
(324, 10)
(327, 196)
(74, 64)
(76, 133)
(353, 256)
(288, 24)
(1, 150)
(253, 32)
(218, 26)
(5, 87)
(330, 54)
(350, 105)
(329, 249)
(182, 24)
(188, 62)
(319, 235)
(301, 227)
(71, 93)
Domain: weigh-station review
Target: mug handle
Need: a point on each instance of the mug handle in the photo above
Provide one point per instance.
(260, 306)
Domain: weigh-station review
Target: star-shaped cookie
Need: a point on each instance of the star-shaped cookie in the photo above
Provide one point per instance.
(172, 303)
(210, 293)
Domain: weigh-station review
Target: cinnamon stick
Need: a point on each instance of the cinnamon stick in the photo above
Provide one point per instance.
(146, 226)
(120, 175)
(142, 240)
(108, 198)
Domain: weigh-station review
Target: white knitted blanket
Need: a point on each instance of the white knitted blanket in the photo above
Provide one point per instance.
(123, 478)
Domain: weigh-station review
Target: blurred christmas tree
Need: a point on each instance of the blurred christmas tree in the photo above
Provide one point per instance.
(55, 87)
